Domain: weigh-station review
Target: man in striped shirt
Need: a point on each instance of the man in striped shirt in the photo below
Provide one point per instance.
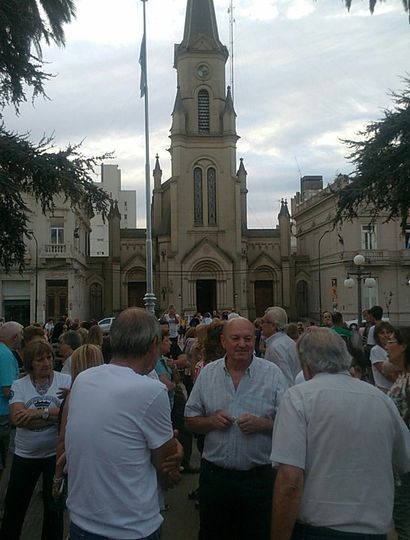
(234, 403)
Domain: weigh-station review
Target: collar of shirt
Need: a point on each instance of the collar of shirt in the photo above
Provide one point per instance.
(248, 371)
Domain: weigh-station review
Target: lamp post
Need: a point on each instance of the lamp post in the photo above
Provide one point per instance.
(320, 273)
(361, 277)
(36, 276)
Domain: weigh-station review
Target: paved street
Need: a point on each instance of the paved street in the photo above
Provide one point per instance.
(181, 520)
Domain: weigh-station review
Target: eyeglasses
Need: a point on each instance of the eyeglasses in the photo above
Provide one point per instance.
(266, 322)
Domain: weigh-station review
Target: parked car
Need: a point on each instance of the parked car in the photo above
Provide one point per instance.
(354, 322)
(105, 324)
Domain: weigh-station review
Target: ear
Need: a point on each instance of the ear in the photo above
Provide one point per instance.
(306, 372)
(223, 341)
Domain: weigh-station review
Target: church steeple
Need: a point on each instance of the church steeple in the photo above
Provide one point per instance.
(200, 22)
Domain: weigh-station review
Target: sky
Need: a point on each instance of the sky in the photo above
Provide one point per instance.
(307, 74)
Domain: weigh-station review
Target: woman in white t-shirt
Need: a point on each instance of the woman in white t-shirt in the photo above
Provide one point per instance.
(34, 407)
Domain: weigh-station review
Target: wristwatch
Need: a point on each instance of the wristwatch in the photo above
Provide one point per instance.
(45, 414)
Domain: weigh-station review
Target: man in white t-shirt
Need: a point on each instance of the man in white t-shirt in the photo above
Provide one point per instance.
(119, 438)
(337, 442)
(376, 314)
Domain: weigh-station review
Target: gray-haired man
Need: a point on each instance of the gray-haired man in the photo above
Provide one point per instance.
(119, 438)
(337, 441)
(280, 348)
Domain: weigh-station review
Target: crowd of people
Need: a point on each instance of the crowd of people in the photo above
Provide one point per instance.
(302, 429)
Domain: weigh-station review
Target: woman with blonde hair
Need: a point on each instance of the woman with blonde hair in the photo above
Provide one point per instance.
(95, 335)
(85, 357)
(83, 333)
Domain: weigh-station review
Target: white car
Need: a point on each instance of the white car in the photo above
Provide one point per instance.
(105, 324)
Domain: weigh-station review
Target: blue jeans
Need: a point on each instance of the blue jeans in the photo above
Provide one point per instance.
(76, 533)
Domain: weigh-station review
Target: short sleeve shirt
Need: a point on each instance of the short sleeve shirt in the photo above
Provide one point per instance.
(377, 355)
(9, 372)
(259, 393)
(115, 418)
(348, 437)
(41, 442)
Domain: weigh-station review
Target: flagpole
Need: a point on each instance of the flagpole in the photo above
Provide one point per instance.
(149, 298)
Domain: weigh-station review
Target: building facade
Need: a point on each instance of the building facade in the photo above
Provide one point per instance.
(54, 282)
(127, 206)
(325, 258)
(204, 255)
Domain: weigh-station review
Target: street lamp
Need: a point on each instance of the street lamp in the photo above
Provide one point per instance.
(320, 274)
(361, 277)
(36, 276)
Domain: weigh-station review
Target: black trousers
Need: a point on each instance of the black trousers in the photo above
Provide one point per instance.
(23, 479)
(235, 505)
(307, 532)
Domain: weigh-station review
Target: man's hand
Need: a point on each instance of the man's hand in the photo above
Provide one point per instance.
(167, 460)
(173, 462)
(221, 420)
(249, 423)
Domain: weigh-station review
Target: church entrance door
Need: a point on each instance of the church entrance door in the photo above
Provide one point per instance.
(206, 295)
(136, 293)
(263, 296)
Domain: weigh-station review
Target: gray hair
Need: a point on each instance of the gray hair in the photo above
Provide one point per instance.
(323, 350)
(72, 339)
(133, 332)
(278, 316)
(9, 329)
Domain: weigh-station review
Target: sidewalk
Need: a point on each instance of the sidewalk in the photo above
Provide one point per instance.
(180, 521)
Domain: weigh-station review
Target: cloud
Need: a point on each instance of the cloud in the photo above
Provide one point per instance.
(306, 74)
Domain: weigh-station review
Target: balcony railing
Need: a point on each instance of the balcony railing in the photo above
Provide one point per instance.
(55, 249)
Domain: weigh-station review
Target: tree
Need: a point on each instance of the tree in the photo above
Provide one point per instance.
(22, 28)
(381, 179)
(39, 170)
(372, 4)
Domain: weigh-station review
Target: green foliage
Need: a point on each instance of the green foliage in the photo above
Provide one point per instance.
(42, 172)
(381, 180)
(22, 27)
(39, 170)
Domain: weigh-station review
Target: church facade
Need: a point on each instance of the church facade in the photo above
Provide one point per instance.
(205, 257)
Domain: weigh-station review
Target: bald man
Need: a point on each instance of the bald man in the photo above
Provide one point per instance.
(234, 403)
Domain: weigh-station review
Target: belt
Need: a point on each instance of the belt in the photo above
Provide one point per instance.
(235, 472)
(301, 530)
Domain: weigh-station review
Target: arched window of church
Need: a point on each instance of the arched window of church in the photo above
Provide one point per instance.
(211, 181)
(198, 206)
(203, 111)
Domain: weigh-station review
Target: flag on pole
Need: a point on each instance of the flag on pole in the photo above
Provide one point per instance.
(143, 64)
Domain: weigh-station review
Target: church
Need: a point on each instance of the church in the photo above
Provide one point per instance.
(205, 257)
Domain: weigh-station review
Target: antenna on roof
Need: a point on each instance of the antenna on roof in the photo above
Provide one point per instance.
(231, 48)
(299, 169)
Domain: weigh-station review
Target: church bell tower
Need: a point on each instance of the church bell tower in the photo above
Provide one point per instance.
(202, 202)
